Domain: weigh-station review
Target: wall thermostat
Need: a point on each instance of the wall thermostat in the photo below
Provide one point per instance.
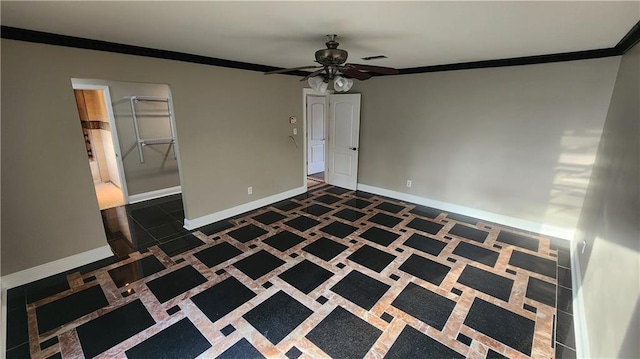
(293, 119)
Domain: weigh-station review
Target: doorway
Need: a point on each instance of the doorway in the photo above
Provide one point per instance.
(101, 142)
(332, 128)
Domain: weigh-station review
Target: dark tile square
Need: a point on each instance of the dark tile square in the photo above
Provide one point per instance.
(467, 232)
(533, 263)
(112, 328)
(173, 310)
(175, 283)
(349, 214)
(541, 291)
(518, 240)
(564, 277)
(486, 282)
(47, 343)
(89, 279)
(353, 241)
(425, 226)
(284, 240)
(476, 253)
(180, 245)
(286, 205)
(564, 330)
(511, 271)
(461, 218)
(179, 260)
(171, 206)
(46, 287)
(372, 258)
(338, 229)
(317, 210)
(337, 190)
(227, 330)
(69, 308)
(247, 233)
(497, 246)
(456, 291)
(16, 298)
(390, 207)
(168, 230)
(386, 317)
(217, 254)
(293, 353)
(267, 285)
(464, 339)
(302, 223)
(400, 250)
(360, 289)
(385, 220)
(258, 264)
(426, 212)
(222, 298)
(530, 308)
(321, 300)
(564, 259)
(269, 217)
(425, 244)
(425, 269)
(277, 316)
(180, 340)
(150, 217)
(394, 277)
(412, 301)
(362, 194)
(562, 352)
(565, 300)
(253, 246)
(452, 260)
(413, 344)
(502, 325)
(220, 271)
(357, 203)
(134, 271)
(214, 228)
(340, 265)
(127, 293)
(241, 350)
(343, 335)
(324, 248)
(491, 354)
(306, 276)
(380, 236)
(19, 352)
(328, 199)
(17, 327)
(293, 255)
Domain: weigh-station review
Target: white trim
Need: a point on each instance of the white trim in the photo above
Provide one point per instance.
(191, 224)
(544, 229)
(135, 198)
(3, 322)
(58, 266)
(306, 92)
(114, 131)
(579, 319)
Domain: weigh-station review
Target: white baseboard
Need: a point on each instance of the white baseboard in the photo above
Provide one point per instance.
(544, 229)
(135, 198)
(58, 266)
(579, 319)
(191, 224)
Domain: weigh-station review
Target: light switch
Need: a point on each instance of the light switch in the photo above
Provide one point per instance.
(295, 131)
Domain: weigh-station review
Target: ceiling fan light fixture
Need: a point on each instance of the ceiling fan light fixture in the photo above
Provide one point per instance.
(318, 84)
(342, 84)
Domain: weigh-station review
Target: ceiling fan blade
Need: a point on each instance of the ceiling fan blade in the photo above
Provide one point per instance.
(356, 74)
(376, 69)
(313, 74)
(291, 69)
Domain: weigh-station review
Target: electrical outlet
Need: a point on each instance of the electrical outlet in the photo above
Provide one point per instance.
(409, 183)
(249, 190)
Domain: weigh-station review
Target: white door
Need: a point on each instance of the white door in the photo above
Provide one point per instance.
(316, 137)
(344, 129)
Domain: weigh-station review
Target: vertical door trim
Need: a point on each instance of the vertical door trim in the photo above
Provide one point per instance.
(114, 131)
(306, 92)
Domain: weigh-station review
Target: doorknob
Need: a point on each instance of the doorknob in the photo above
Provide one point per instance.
(353, 148)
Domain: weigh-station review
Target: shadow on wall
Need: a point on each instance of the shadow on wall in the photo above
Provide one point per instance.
(572, 174)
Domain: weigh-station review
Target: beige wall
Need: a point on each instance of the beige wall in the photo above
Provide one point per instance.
(232, 126)
(610, 224)
(515, 141)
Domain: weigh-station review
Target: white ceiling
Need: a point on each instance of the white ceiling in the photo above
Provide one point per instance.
(286, 34)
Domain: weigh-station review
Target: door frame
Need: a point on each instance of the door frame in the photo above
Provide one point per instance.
(114, 131)
(310, 92)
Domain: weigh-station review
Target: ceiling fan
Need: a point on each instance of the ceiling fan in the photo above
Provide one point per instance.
(331, 65)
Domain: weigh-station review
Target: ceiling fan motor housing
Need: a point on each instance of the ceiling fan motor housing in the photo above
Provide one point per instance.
(331, 55)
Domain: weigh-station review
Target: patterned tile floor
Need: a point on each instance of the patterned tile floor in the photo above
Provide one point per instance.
(330, 273)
